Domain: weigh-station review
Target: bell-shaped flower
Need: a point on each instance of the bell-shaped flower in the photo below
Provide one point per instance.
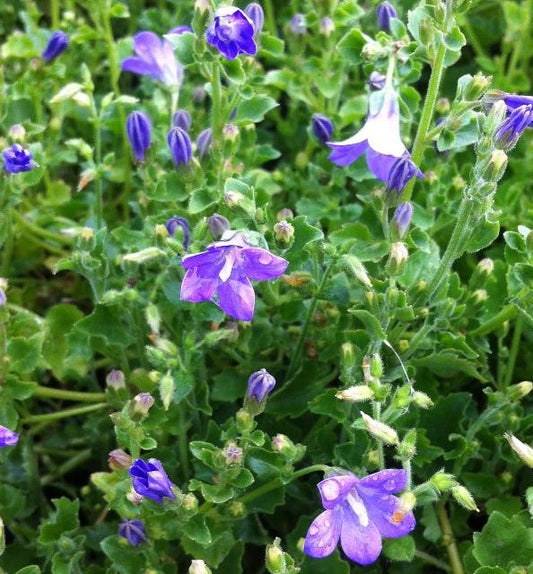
(132, 531)
(139, 130)
(222, 274)
(17, 159)
(56, 45)
(150, 479)
(154, 58)
(379, 137)
(232, 33)
(359, 512)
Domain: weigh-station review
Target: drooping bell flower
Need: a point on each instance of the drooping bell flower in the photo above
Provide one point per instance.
(322, 127)
(132, 531)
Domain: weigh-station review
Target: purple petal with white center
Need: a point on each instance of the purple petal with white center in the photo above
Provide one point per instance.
(384, 511)
(261, 265)
(195, 288)
(138, 66)
(214, 257)
(334, 489)
(344, 155)
(236, 296)
(389, 480)
(380, 165)
(362, 544)
(323, 534)
(148, 46)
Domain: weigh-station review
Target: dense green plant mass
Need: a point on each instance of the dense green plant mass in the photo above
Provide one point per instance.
(282, 245)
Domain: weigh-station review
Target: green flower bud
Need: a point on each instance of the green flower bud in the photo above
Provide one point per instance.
(443, 481)
(520, 390)
(398, 258)
(422, 400)
(464, 498)
(356, 394)
(86, 239)
(477, 86)
(284, 231)
(380, 430)
(199, 567)
(523, 450)
(275, 558)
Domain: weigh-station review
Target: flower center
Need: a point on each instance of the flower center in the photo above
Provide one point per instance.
(356, 504)
(230, 260)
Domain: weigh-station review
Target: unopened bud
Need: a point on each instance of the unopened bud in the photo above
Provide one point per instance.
(486, 266)
(357, 268)
(380, 430)
(463, 496)
(523, 450)
(190, 502)
(233, 454)
(116, 380)
(284, 213)
(356, 394)
(218, 225)
(477, 86)
(284, 231)
(520, 390)
(233, 198)
(202, 6)
(480, 296)
(443, 481)
(119, 459)
(348, 355)
(376, 81)
(153, 317)
(134, 497)
(422, 400)
(407, 448)
(496, 166)
(326, 26)
(140, 405)
(442, 106)
(160, 230)
(17, 132)
(458, 183)
(244, 421)
(199, 567)
(407, 502)
(87, 240)
(398, 258)
(82, 100)
(230, 132)
(376, 366)
(275, 558)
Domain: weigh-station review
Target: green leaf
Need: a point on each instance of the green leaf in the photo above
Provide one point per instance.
(234, 71)
(372, 325)
(304, 234)
(254, 109)
(351, 45)
(110, 323)
(504, 541)
(24, 353)
(197, 530)
(214, 553)
(483, 236)
(183, 46)
(125, 558)
(489, 570)
(62, 521)
(400, 549)
(447, 365)
(29, 570)
(327, 404)
(200, 200)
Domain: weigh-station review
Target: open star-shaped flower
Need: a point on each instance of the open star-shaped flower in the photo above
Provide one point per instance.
(232, 33)
(359, 511)
(222, 274)
(379, 138)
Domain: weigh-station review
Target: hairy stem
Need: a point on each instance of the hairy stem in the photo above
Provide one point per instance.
(448, 539)
(68, 395)
(74, 411)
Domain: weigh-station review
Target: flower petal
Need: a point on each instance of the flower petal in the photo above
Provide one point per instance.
(344, 155)
(362, 544)
(383, 128)
(323, 534)
(195, 288)
(211, 257)
(229, 49)
(389, 480)
(148, 46)
(334, 489)
(388, 517)
(139, 66)
(261, 265)
(380, 165)
(236, 297)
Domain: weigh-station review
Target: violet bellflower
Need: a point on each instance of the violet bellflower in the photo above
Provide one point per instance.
(203, 142)
(512, 101)
(17, 159)
(385, 11)
(132, 531)
(7, 437)
(359, 511)
(232, 33)
(260, 385)
(379, 138)
(139, 130)
(57, 44)
(154, 58)
(182, 119)
(322, 127)
(401, 172)
(402, 218)
(222, 274)
(150, 479)
(509, 131)
(172, 225)
(180, 146)
(256, 15)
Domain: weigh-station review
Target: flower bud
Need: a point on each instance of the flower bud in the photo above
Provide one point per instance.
(244, 421)
(57, 44)
(356, 394)
(422, 400)
(519, 391)
(376, 81)
(275, 558)
(199, 567)
(442, 481)
(407, 502)
(322, 128)
(203, 142)
(179, 143)
(232, 454)
(182, 119)
(237, 509)
(190, 502)
(384, 13)
(198, 95)
(230, 132)
(140, 405)
(297, 25)
(202, 6)
(523, 450)
(260, 385)
(464, 498)
(284, 231)
(139, 130)
(376, 366)
(289, 451)
(477, 86)
(407, 448)
(233, 198)
(326, 26)
(398, 258)
(496, 165)
(256, 15)
(17, 132)
(402, 219)
(119, 459)
(486, 266)
(116, 380)
(175, 223)
(3, 298)
(134, 497)
(86, 240)
(284, 213)
(218, 225)
(380, 430)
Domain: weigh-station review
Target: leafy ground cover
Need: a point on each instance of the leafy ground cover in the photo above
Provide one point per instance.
(266, 287)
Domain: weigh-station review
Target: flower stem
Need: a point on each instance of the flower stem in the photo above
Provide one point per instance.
(66, 467)
(449, 540)
(34, 419)
(506, 314)
(432, 560)
(48, 392)
(513, 352)
(41, 232)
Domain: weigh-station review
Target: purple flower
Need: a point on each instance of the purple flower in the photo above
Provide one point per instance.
(218, 225)
(150, 479)
(379, 138)
(509, 131)
(256, 15)
(182, 119)
(203, 142)
(179, 143)
(139, 130)
(402, 170)
(385, 12)
(3, 298)
(326, 26)
(132, 531)
(260, 385)
(512, 101)
(322, 128)
(57, 44)
(7, 437)
(17, 159)
(181, 29)
(172, 225)
(297, 25)
(224, 271)
(231, 33)
(376, 81)
(359, 511)
(155, 58)
(402, 218)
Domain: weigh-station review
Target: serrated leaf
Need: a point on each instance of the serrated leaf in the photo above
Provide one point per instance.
(255, 108)
(400, 549)
(373, 327)
(350, 45)
(63, 520)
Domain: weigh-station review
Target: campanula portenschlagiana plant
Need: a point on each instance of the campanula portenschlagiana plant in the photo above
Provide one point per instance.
(17, 159)
(260, 385)
(133, 531)
(155, 58)
(402, 171)
(57, 44)
(255, 12)
(172, 225)
(182, 119)
(7, 437)
(222, 274)
(139, 130)
(180, 146)
(359, 512)
(510, 130)
(322, 127)
(150, 479)
(385, 11)
(232, 33)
